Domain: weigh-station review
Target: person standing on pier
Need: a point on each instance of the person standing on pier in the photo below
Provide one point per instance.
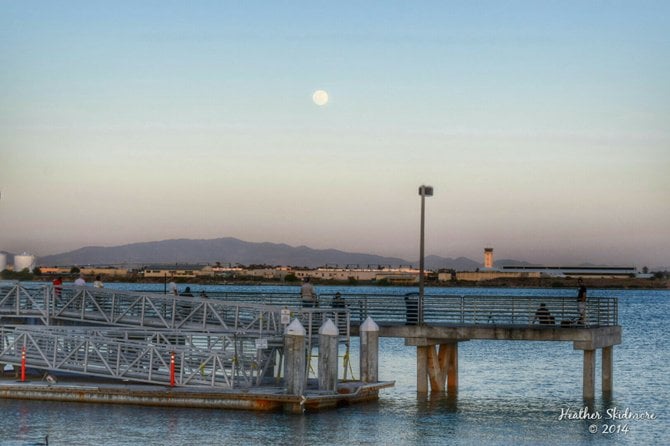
(58, 286)
(308, 294)
(98, 283)
(172, 287)
(581, 300)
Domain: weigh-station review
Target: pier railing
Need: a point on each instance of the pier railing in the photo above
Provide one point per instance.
(260, 311)
(487, 310)
(456, 310)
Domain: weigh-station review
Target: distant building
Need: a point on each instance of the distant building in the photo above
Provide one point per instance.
(87, 271)
(109, 272)
(488, 258)
(266, 273)
(603, 272)
(480, 276)
(392, 275)
(169, 273)
(489, 272)
(55, 270)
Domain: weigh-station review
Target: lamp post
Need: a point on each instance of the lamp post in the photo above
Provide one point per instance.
(424, 191)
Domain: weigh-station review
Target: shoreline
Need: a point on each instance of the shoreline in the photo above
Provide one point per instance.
(545, 282)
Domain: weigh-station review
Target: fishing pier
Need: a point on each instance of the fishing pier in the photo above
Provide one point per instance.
(254, 350)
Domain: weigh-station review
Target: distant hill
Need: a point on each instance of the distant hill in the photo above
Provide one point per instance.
(510, 262)
(458, 264)
(224, 250)
(232, 250)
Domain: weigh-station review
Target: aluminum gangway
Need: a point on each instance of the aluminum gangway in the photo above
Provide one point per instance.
(200, 359)
(113, 308)
(76, 329)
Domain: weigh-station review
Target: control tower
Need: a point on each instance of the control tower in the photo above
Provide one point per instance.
(488, 258)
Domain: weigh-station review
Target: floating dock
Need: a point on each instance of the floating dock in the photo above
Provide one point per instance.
(105, 346)
(266, 399)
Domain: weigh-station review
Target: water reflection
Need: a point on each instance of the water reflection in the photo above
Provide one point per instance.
(437, 402)
(510, 393)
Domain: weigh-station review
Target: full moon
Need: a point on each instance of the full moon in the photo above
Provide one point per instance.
(320, 97)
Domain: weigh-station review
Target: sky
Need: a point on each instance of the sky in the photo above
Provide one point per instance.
(543, 126)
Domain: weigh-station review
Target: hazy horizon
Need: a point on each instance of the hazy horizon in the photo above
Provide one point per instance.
(542, 126)
(479, 259)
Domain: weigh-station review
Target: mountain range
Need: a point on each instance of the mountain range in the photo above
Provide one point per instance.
(231, 250)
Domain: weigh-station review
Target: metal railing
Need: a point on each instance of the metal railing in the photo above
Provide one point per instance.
(101, 306)
(455, 310)
(261, 311)
(216, 343)
(486, 310)
(201, 359)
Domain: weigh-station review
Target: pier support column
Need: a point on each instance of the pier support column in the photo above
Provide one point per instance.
(422, 368)
(607, 369)
(451, 353)
(328, 335)
(437, 367)
(369, 351)
(589, 374)
(294, 350)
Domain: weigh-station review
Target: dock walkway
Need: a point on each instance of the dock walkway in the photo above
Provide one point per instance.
(449, 320)
(237, 340)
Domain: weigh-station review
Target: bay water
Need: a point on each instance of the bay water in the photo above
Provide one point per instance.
(510, 392)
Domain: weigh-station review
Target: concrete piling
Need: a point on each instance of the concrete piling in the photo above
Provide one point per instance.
(294, 350)
(607, 369)
(422, 368)
(369, 333)
(589, 374)
(451, 353)
(328, 342)
(437, 367)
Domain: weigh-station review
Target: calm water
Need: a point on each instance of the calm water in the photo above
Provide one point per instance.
(509, 393)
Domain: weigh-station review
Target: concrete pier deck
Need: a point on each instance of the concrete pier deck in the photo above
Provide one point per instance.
(437, 348)
(584, 338)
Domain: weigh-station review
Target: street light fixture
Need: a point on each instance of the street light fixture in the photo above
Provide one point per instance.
(424, 191)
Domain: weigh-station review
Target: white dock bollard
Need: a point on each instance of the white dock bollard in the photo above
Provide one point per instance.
(369, 351)
(328, 337)
(294, 351)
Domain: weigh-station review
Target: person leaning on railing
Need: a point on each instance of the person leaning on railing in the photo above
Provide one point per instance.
(581, 301)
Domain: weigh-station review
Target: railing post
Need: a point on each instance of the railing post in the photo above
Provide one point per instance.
(18, 298)
(172, 380)
(23, 364)
(47, 300)
(616, 311)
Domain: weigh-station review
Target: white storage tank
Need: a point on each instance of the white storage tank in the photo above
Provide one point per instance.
(3, 261)
(23, 261)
